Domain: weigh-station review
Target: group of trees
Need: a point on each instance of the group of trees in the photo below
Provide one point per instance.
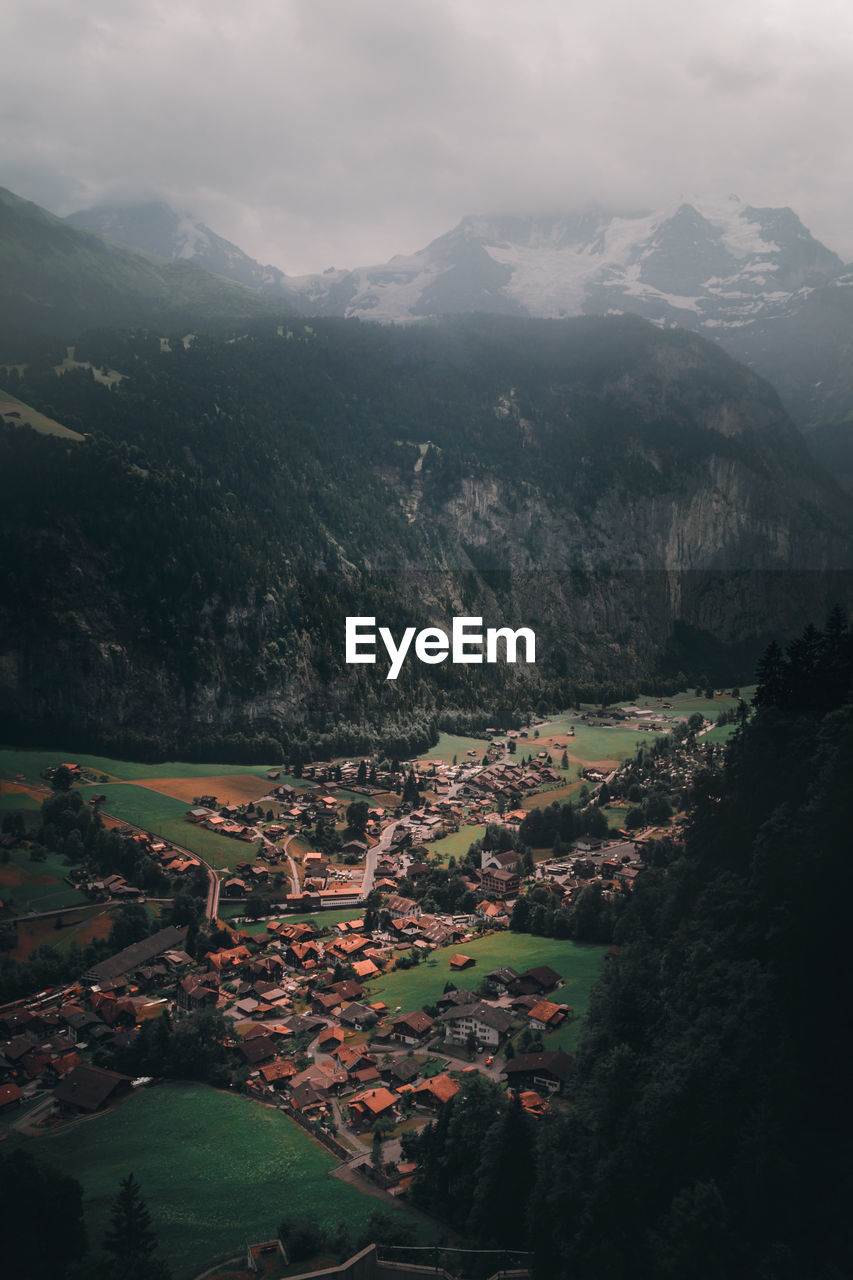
(711, 1119)
(32, 1192)
(189, 1048)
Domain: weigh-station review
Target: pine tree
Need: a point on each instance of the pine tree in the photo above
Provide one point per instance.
(131, 1239)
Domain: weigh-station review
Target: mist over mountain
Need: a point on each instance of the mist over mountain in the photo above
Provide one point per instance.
(156, 228)
(752, 279)
(57, 280)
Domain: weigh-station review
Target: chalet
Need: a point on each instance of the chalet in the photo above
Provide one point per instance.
(545, 1016)
(536, 981)
(412, 1028)
(192, 995)
(401, 1071)
(545, 1072)
(329, 1039)
(486, 1023)
(10, 1097)
(357, 1016)
(356, 847)
(453, 999)
(88, 1089)
(278, 1072)
(402, 907)
(324, 1002)
(501, 980)
(231, 960)
(352, 1057)
(258, 1049)
(460, 961)
(308, 1099)
(346, 990)
(436, 1092)
(367, 1107)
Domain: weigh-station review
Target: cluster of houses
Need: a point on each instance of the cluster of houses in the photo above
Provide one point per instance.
(46, 1044)
(303, 1029)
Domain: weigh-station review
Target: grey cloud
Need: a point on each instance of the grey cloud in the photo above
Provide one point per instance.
(319, 132)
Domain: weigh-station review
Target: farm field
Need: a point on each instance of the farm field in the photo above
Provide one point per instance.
(18, 800)
(556, 795)
(80, 927)
(589, 746)
(686, 704)
(32, 763)
(320, 919)
(166, 817)
(234, 788)
(214, 1170)
(579, 965)
(37, 886)
(719, 733)
(450, 745)
(16, 413)
(456, 845)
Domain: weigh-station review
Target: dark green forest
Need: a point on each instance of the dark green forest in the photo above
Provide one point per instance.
(178, 581)
(708, 1127)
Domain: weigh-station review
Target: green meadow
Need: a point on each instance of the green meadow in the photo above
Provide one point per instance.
(456, 845)
(37, 886)
(215, 1170)
(32, 764)
(166, 817)
(579, 966)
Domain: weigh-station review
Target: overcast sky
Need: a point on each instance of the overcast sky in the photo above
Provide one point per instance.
(316, 133)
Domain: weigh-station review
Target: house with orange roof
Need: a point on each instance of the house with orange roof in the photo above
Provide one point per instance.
(436, 1092)
(367, 1107)
(546, 1016)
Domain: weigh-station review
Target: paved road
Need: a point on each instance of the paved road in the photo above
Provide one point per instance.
(294, 872)
(212, 905)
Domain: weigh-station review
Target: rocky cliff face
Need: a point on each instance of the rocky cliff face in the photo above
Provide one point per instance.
(605, 483)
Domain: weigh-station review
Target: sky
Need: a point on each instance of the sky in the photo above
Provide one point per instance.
(319, 133)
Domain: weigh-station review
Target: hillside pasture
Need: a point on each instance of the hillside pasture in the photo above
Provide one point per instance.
(579, 966)
(450, 745)
(456, 844)
(80, 927)
(165, 816)
(15, 413)
(37, 886)
(234, 788)
(214, 1169)
(32, 763)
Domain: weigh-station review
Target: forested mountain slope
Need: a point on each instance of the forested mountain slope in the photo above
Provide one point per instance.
(710, 1132)
(185, 572)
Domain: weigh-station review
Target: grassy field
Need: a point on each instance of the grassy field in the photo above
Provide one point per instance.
(556, 795)
(166, 817)
(457, 843)
(215, 1170)
(16, 413)
(579, 966)
(720, 733)
(18, 800)
(32, 763)
(589, 745)
(37, 886)
(450, 745)
(81, 927)
(320, 919)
